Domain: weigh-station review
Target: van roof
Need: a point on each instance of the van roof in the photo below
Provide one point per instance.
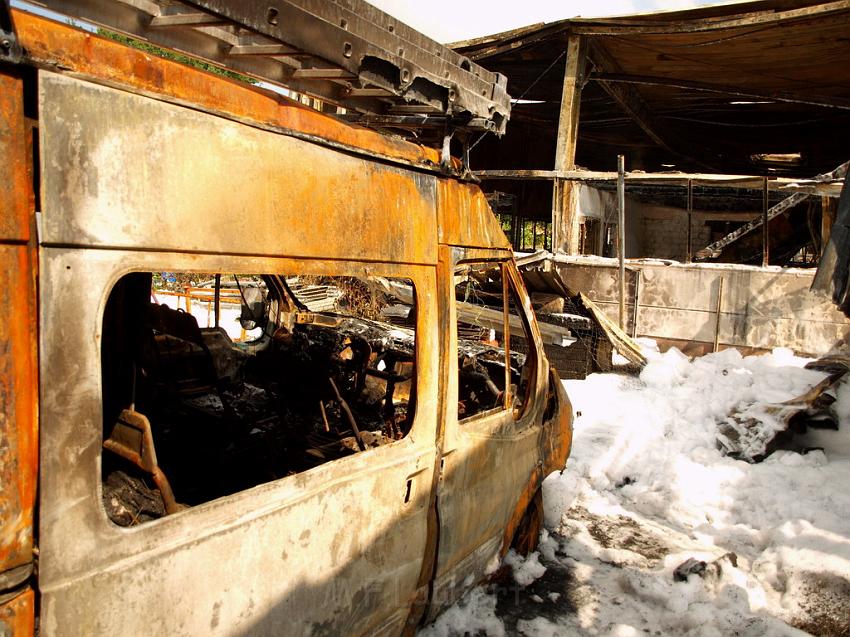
(405, 222)
(53, 45)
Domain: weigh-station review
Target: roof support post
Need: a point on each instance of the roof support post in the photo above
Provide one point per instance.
(564, 218)
(827, 219)
(565, 149)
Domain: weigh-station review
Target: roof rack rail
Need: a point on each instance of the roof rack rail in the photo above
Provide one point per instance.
(345, 52)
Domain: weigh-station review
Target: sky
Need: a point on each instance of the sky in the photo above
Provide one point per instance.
(453, 20)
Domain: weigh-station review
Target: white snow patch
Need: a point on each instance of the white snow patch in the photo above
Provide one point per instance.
(646, 488)
(474, 614)
(525, 569)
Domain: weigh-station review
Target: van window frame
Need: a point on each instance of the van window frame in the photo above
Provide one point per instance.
(288, 265)
(510, 290)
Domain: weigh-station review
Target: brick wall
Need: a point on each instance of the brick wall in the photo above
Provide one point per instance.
(652, 231)
(667, 238)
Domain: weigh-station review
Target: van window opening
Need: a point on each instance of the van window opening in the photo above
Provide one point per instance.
(301, 370)
(495, 359)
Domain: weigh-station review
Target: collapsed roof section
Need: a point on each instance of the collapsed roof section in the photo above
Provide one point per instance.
(347, 53)
(756, 88)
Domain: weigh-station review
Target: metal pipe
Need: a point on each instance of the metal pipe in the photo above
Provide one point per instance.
(621, 243)
(600, 233)
(765, 256)
(324, 416)
(217, 301)
(506, 330)
(690, 221)
(717, 317)
(636, 308)
(348, 414)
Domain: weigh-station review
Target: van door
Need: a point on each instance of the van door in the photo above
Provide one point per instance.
(336, 549)
(18, 356)
(155, 188)
(491, 453)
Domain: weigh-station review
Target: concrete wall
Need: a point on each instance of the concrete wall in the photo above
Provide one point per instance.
(759, 308)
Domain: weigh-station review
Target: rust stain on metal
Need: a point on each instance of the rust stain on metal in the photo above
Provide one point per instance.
(14, 222)
(557, 434)
(525, 500)
(555, 442)
(18, 380)
(357, 209)
(465, 217)
(18, 454)
(392, 208)
(66, 48)
(132, 439)
(17, 616)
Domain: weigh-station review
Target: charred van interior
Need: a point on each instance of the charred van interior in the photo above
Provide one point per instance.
(194, 413)
(492, 342)
(287, 373)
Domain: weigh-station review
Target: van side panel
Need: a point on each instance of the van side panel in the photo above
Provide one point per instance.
(492, 463)
(334, 550)
(18, 422)
(144, 177)
(337, 549)
(14, 183)
(17, 616)
(465, 219)
(18, 368)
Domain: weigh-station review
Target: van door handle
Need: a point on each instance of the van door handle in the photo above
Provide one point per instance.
(445, 455)
(408, 487)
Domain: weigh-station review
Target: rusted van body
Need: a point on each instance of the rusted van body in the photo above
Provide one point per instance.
(118, 165)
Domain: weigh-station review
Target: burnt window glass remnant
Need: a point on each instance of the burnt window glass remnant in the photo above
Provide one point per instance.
(215, 383)
(495, 350)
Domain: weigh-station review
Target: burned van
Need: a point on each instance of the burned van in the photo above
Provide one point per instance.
(273, 374)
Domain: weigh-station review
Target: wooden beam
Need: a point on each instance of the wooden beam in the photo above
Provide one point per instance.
(565, 148)
(828, 207)
(631, 101)
(736, 91)
(511, 43)
(661, 26)
(621, 235)
(827, 188)
(360, 93)
(830, 187)
(714, 250)
(737, 217)
(564, 219)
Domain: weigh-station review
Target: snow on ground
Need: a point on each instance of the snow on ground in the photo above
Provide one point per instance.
(645, 489)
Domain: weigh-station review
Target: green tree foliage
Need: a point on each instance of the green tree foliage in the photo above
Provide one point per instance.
(147, 47)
